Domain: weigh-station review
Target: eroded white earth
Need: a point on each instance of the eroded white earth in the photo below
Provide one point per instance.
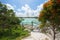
(37, 36)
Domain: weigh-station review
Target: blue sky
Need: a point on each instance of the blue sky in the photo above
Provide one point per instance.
(22, 7)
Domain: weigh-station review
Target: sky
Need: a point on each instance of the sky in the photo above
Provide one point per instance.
(25, 8)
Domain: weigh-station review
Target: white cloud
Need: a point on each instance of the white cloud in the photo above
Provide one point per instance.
(19, 14)
(9, 6)
(27, 11)
(39, 8)
(18, 10)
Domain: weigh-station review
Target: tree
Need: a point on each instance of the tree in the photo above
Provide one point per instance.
(9, 23)
(50, 17)
(8, 20)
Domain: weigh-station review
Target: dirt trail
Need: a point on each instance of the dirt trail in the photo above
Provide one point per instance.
(37, 36)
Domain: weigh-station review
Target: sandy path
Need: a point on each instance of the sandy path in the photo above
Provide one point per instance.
(36, 36)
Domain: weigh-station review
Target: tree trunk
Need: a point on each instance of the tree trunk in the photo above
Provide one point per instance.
(53, 33)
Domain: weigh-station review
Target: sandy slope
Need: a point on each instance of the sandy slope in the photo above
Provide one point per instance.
(36, 36)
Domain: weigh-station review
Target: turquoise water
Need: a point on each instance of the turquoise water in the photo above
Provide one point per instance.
(30, 20)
